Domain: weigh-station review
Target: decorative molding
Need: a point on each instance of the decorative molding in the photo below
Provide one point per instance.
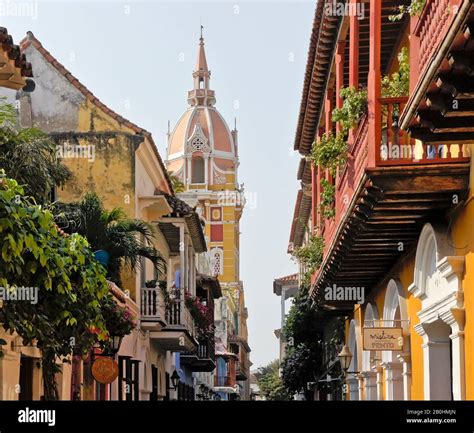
(219, 179)
(198, 142)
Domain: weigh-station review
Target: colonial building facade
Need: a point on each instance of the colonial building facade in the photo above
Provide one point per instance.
(119, 161)
(400, 225)
(203, 155)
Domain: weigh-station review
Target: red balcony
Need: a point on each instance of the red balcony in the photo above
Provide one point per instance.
(224, 381)
(201, 358)
(385, 193)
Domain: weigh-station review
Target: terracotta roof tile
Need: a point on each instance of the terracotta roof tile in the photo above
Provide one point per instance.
(14, 53)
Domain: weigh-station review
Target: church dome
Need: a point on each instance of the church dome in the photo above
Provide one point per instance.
(201, 128)
(202, 137)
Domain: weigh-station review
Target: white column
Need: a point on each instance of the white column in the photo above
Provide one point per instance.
(378, 370)
(353, 384)
(393, 380)
(206, 170)
(436, 365)
(455, 318)
(405, 359)
(183, 268)
(190, 169)
(370, 378)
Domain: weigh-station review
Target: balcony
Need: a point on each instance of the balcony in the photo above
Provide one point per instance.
(224, 381)
(441, 106)
(201, 358)
(240, 370)
(178, 333)
(152, 308)
(388, 189)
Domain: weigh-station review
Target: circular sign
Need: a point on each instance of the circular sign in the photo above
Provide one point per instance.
(105, 370)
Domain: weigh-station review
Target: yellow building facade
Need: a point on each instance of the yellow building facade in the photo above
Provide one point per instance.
(403, 227)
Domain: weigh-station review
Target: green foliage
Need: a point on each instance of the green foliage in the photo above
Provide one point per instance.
(413, 9)
(111, 231)
(328, 195)
(311, 255)
(300, 366)
(330, 153)
(203, 316)
(29, 156)
(67, 319)
(118, 320)
(353, 107)
(270, 383)
(398, 84)
(303, 359)
(177, 185)
(301, 322)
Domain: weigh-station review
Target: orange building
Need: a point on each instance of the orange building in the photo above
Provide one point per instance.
(395, 216)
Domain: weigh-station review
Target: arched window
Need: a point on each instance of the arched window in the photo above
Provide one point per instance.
(197, 170)
(217, 258)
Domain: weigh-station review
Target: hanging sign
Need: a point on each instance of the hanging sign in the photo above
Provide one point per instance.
(382, 339)
(105, 370)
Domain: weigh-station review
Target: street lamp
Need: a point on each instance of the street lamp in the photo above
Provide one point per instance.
(345, 358)
(115, 343)
(174, 380)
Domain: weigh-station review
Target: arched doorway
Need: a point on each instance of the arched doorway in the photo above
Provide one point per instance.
(371, 317)
(437, 283)
(354, 346)
(397, 384)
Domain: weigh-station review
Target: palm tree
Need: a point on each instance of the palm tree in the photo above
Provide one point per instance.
(176, 183)
(126, 240)
(28, 155)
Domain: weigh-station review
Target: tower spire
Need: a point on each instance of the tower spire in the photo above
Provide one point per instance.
(201, 94)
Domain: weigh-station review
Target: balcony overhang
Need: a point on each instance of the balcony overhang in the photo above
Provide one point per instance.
(441, 107)
(384, 221)
(196, 364)
(155, 206)
(174, 338)
(13, 65)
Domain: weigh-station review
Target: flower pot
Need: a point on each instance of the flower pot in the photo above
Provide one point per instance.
(102, 257)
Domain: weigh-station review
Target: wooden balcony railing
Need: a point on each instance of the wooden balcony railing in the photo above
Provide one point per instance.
(433, 23)
(152, 305)
(396, 148)
(204, 350)
(178, 315)
(224, 381)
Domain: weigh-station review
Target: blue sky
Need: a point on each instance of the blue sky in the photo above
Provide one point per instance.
(138, 57)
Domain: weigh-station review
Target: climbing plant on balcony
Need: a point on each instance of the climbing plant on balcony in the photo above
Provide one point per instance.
(310, 256)
(303, 359)
(328, 196)
(203, 316)
(398, 83)
(118, 320)
(66, 317)
(413, 9)
(330, 153)
(353, 107)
